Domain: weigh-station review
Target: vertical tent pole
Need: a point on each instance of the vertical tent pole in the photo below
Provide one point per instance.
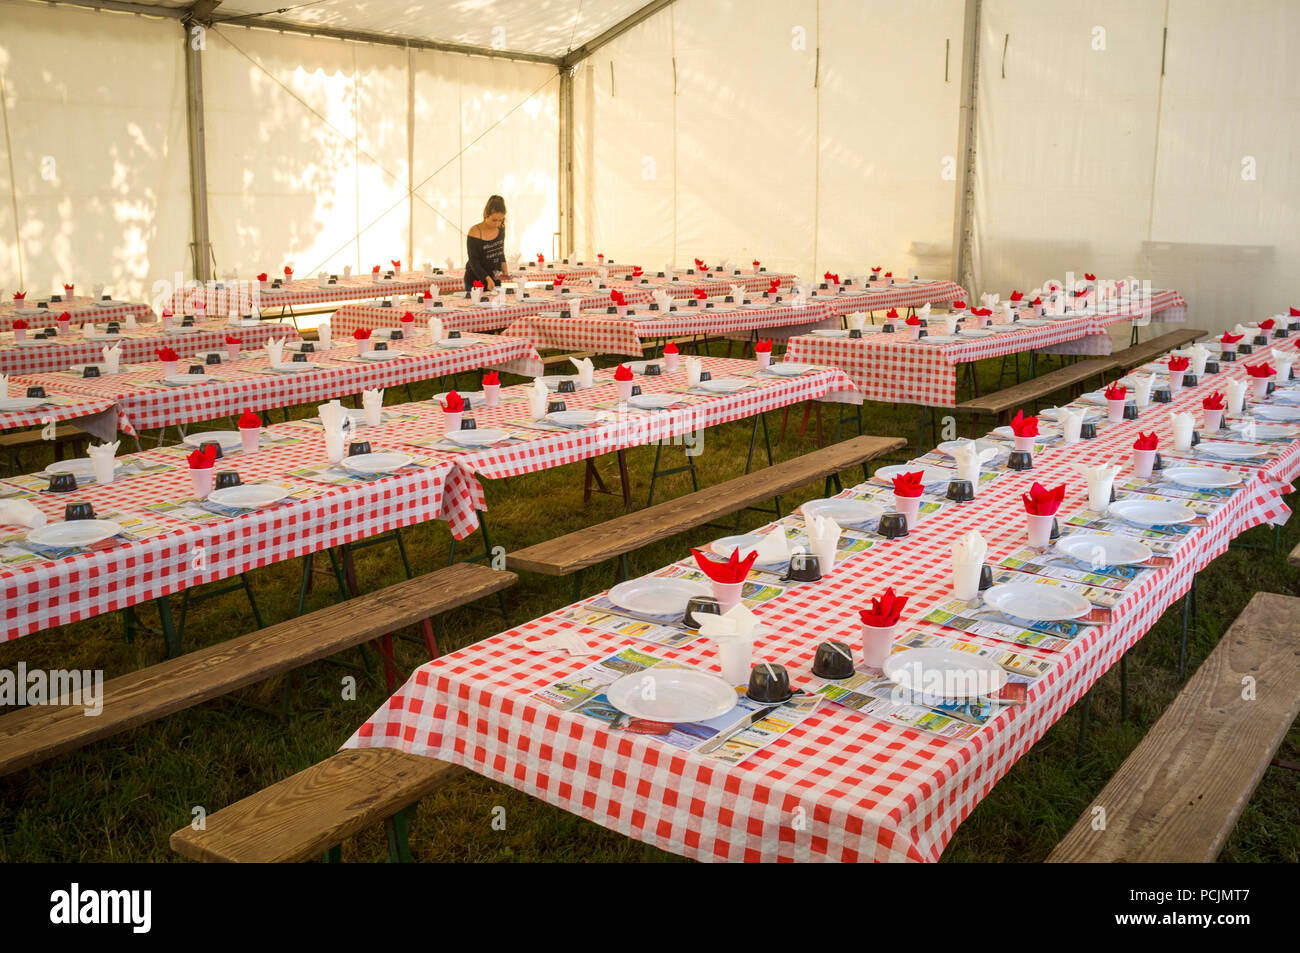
(566, 161)
(962, 266)
(198, 152)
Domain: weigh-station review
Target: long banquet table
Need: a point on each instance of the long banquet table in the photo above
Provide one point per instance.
(841, 784)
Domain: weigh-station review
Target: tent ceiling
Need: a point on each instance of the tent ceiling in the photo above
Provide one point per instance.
(549, 28)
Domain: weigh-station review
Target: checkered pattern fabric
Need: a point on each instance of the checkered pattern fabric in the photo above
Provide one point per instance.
(145, 403)
(460, 314)
(44, 594)
(137, 346)
(237, 297)
(610, 334)
(79, 311)
(892, 369)
(862, 788)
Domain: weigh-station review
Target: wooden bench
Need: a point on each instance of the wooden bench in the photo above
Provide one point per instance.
(64, 434)
(1001, 403)
(37, 733)
(622, 535)
(313, 811)
(1139, 354)
(1178, 795)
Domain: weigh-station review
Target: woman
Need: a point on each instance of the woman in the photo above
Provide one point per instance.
(486, 245)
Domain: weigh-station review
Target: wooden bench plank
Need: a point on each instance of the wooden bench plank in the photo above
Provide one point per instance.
(302, 816)
(1019, 395)
(1180, 792)
(37, 733)
(1138, 354)
(21, 439)
(623, 534)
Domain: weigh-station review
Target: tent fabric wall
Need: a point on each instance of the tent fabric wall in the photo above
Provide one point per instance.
(716, 128)
(310, 154)
(98, 150)
(1090, 160)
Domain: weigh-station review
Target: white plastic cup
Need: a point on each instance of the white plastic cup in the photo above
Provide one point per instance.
(670, 362)
(1115, 410)
(1259, 387)
(1143, 461)
(966, 580)
(1099, 494)
(104, 467)
(876, 643)
(736, 655)
(202, 481)
(170, 368)
(334, 445)
(492, 394)
(764, 358)
(624, 390)
(1213, 419)
(1175, 382)
(451, 422)
(908, 506)
(824, 550)
(727, 594)
(20, 334)
(1071, 427)
(248, 438)
(1040, 530)
(1025, 444)
(232, 351)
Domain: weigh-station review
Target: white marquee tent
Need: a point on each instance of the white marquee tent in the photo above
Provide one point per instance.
(1001, 141)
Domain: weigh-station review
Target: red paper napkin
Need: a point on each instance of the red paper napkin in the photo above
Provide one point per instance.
(408, 317)
(832, 277)
(361, 334)
(262, 277)
(914, 320)
(1261, 370)
(876, 270)
(1040, 501)
(1017, 295)
(20, 295)
(1179, 363)
(763, 347)
(249, 419)
(756, 263)
(701, 294)
(700, 265)
(454, 403)
(622, 373)
(732, 571)
(491, 377)
(1089, 277)
(69, 288)
(774, 286)
(374, 270)
(891, 314)
(203, 459)
(670, 348)
(541, 259)
(478, 284)
(909, 484)
(166, 354)
(885, 610)
(1267, 324)
(397, 265)
(19, 325)
(64, 317)
(617, 297)
(1295, 312)
(555, 282)
(981, 312)
(1023, 426)
(1037, 300)
(1146, 441)
(1116, 391)
(1230, 338)
(637, 272)
(957, 306)
(1214, 402)
(231, 339)
(889, 274)
(288, 272)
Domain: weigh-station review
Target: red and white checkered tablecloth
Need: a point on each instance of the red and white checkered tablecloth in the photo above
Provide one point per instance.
(624, 428)
(95, 415)
(572, 270)
(137, 345)
(610, 334)
(460, 314)
(241, 296)
(144, 403)
(861, 788)
(879, 297)
(887, 368)
(47, 593)
(715, 284)
(1162, 306)
(79, 310)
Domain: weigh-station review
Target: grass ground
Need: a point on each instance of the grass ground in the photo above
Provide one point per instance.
(119, 800)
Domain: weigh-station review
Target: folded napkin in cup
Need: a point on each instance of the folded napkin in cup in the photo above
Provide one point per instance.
(694, 367)
(586, 371)
(21, 513)
(275, 350)
(537, 399)
(1146, 441)
(885, 610)
(1023, 426)
(203, 458)
(909, 484)
(734, 570)
(112, 358)
(1040, 501)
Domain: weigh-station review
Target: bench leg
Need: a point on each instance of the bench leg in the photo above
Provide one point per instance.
(399, 827)
(334, 855)
(753, 442)
(170, 635)
(1123, 688)
(430, 639)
